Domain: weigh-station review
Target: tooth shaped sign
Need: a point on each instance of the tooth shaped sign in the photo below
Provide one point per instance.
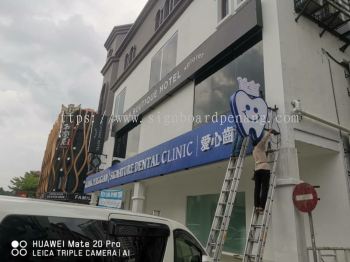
(250, 114)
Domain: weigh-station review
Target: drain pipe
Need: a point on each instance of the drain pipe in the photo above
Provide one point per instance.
(297, 110)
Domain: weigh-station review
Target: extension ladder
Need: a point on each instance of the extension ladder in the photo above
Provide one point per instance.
(256, 238)
(226, 200)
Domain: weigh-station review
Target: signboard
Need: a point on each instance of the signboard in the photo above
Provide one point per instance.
(206, 144)
(66, 135)
(305, 197)
(80, 198)
(111, 198)
(67, 197)
(97, 134)
(249, 109)
(62, 196)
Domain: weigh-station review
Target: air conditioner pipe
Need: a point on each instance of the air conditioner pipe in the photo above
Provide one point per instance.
(298, 111)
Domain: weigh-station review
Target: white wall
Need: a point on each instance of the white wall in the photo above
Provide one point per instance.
(306, 74)
(331, 216)
(192, 31)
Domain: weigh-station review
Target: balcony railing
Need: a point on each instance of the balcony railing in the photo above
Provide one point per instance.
(331, 15)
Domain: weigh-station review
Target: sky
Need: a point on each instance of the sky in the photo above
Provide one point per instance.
(51, 53)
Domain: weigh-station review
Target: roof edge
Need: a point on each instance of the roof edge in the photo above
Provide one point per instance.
(117, 30)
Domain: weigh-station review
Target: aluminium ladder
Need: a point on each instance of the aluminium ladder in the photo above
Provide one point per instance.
(256, 238)
(226, 200)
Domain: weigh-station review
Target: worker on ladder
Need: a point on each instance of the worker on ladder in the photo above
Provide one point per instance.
(262, 172)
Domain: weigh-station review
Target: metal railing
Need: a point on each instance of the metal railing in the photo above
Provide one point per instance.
(331, 254)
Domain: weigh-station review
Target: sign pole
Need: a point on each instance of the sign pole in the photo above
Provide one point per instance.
(305, 200)
(313, 241)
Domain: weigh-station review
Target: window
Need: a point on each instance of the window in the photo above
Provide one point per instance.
(146, 241)
(186, 248)
(157, 20)
(126, 62)
(163, 61)
(110, 53)
(127, 144)
(223, 8)
(165, 12)
(132, 53)
(29, 228)
(199, 217)
(119, 103)
(166, 9)
(132, 144)
(129, 57)
(212, 94)
(120, 145)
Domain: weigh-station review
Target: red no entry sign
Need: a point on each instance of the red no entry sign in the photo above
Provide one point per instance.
(305, 197)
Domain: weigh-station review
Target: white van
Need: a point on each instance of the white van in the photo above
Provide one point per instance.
(38, 230)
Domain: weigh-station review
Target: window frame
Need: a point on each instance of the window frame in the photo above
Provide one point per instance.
(121, 140)
(223, 3)
(177, 233)
(116, 105)
(126, 61)
(161, 51)
(138, 141)
(164, 230)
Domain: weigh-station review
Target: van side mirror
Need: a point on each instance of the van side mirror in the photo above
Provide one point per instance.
(206, 258)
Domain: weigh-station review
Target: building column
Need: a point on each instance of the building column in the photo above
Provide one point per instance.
(138, 198)
(287, 223)
(287, 232)
(94, 198)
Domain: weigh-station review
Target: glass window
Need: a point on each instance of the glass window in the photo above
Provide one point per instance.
(156, 65)
(120, 145)
(132, 144)
(224, 8)
(119, 103)
(146, 241)
(186, 248)
(169, 56)
(163, 61)
(127, 144)
(200, 214)
(213, 93)
(31, 228)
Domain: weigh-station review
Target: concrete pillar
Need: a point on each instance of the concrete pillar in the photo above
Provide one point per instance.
(287, 223)
(286, 235)
(94, 198)
(138, 198)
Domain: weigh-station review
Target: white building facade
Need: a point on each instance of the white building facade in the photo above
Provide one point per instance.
(171, 74)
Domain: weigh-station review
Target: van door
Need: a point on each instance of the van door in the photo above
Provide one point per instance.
(187, 249)
(139, 241)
